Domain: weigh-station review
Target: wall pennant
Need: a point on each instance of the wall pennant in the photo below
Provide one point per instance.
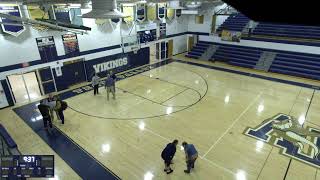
(128, 10)
(62, 14)
(170, 14)
(141, 12)
(13, 10)
(178, 12)
(151, 11)
(162, 11)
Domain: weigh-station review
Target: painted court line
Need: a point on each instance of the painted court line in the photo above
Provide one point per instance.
(234, 122)
(168, 140)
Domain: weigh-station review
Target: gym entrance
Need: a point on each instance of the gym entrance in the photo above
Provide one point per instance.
(24, 87)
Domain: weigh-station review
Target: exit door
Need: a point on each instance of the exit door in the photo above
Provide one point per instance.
(24, 87)
(163, 51)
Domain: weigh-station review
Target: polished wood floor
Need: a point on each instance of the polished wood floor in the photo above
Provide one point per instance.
(208, 108)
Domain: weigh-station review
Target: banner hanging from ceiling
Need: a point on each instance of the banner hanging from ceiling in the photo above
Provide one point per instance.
(62, 14)
(75, 16)
(151, 12)
(178, 12)
(71, 45)
(170, 14)
(36, 13)
(141, 12)
(12, 10)
(128, 10)
(161, 11)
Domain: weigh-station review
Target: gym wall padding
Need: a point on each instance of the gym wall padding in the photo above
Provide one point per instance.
(72, 73)
(133, 60)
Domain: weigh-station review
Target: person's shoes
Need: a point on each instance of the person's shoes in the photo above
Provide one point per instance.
(165, 170)
(187, 171)
(170, 171)
(192, 166)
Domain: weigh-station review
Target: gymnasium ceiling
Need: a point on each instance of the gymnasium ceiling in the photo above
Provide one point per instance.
(304, 12)
(275, 11)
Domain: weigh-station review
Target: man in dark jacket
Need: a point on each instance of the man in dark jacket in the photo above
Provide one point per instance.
(45, 112)
(167, 155)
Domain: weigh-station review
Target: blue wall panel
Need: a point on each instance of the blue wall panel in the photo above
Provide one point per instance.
(45, 74)
(73, 73)
(117, 63)
(48, 87)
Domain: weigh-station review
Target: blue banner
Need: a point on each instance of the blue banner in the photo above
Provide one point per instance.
(10, 29)
(47, 48)
(62, 14)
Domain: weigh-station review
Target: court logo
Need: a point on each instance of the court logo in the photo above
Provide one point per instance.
(293, 139)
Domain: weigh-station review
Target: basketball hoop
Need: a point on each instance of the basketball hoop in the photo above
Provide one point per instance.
(130, 44)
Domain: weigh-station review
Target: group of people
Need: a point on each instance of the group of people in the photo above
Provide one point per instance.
(109, 84)
(170, 150)
(48, 106)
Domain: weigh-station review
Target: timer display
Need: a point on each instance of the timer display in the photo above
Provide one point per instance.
(25, 166)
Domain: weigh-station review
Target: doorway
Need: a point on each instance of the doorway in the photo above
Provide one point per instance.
(190, 43)
(170, 48)
(24, 87)
(153, 57)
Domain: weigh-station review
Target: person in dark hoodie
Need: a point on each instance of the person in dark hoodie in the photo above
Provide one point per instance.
(168, 154)
(45, 112)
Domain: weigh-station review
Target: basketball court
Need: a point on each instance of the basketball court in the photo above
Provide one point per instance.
(243, 90)
(209, 108)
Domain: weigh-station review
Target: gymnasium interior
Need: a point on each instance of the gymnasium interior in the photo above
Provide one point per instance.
(237, 81)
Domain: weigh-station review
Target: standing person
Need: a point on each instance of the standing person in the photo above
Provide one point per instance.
(110, 86)
(51, 103)
(95, 83)
(45, 112)
(59, 108)
(191, 155)
(168, 154)
(250, 28)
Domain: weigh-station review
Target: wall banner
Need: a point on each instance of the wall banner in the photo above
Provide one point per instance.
(47, 48)
(70, 43)
(141, 12)
(10, 29)
(62, 14)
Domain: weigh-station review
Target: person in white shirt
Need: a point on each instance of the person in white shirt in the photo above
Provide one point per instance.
(95, 83)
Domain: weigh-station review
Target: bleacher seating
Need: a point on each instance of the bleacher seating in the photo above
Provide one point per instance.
(7, 138)
(285, 41)
(238, 55)
(290, 63)
(297, 64)
(235, 22)
(291, 31)
(198, 50)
